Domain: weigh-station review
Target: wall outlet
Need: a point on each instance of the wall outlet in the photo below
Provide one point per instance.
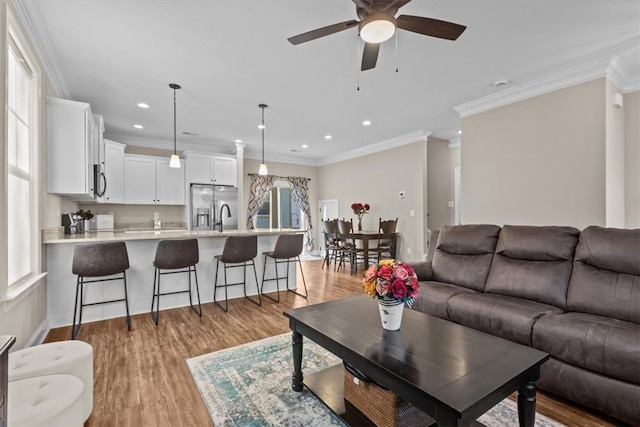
(450, 204)
(412, 213)
(402, 194)
(408, 251)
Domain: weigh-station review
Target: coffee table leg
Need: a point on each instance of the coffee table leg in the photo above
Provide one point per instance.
(527, 404)
(297, 361)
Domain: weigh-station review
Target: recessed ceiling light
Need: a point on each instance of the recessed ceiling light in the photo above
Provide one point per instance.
(138, 126)
(305, 146)
(328, 137)
(460, 132)
(262, 127)
(238, 141)
(143, 105)
(366, 123)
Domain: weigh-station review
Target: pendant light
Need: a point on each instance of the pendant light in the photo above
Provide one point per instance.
(175, 160)
(263, 167)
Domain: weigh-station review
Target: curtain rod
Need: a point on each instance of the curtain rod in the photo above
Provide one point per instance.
(277, 176)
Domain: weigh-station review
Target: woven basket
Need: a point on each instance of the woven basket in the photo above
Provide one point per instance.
(381, 406)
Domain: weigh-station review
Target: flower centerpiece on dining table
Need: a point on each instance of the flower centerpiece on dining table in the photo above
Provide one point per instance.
(359, 209)
(394, 284)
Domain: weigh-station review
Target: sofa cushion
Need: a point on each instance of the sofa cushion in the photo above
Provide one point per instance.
(433, 297)
(606, 274)
(599, 344)
(506, 317)
(534, 263)
(464, 253)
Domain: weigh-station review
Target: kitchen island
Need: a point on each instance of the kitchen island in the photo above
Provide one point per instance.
(141, 247)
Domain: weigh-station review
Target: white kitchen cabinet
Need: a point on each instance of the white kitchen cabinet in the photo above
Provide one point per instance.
(150, 181)
(72, 148)
(114, 172)
(211, 169)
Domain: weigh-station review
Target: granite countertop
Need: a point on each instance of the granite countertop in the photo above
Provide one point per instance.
(58, 236)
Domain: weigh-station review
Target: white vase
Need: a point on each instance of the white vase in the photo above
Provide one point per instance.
(391, 314)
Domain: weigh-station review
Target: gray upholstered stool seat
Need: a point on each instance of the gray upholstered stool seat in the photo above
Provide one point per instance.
(50, 400)
(288, 249)
(179, 256)
(99, 260)
(238, 251)
(57, 358)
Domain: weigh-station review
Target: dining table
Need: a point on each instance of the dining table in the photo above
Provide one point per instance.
(367, 235)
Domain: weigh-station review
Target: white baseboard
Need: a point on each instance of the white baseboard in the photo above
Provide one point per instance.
(39, 335)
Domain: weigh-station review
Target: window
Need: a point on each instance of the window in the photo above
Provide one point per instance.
(22, 207)
(280, 210)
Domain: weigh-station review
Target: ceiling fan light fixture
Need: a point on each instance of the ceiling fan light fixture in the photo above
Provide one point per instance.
(377, 28)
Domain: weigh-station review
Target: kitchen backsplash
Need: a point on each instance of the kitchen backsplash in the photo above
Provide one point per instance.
(139, 216)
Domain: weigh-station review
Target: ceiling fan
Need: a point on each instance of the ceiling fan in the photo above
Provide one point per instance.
(378, 24)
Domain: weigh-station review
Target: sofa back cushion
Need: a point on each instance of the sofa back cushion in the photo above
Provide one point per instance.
(606, 274)
(534, 263)
(463, 254)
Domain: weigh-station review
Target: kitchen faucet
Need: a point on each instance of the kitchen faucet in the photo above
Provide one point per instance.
(228, 215)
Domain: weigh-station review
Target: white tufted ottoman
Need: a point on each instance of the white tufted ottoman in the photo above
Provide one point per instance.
(64, 357)
(50, 400)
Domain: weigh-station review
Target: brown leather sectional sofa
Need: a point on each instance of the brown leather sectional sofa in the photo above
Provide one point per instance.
(572, 294)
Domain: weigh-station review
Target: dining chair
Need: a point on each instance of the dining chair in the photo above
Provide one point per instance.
(331, 248)
(349, 251)
(385, 244)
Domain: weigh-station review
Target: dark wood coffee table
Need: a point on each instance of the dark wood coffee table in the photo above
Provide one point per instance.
(451, 372)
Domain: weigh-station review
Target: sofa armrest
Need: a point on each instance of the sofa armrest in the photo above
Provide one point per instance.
(423, 270)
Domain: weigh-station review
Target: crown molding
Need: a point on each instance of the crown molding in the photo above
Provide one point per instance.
(619, 76)
(455, 142)
(377, 147)
(31, 19)
(600, 65)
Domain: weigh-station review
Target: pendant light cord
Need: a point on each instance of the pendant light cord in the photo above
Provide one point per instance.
(262, 134)
(174, 120)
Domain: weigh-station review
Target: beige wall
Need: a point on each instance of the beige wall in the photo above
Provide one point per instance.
(540, 161)
(377, 179)
(614, 159)
(439, 183)
(632, 158)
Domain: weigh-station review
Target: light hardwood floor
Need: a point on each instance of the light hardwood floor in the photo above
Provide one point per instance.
(141, 378)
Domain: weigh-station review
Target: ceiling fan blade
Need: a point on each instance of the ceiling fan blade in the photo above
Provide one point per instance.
(321, 32)
(370, 56)
(430, 27)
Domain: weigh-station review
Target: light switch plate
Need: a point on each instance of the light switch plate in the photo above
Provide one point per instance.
(450, 204)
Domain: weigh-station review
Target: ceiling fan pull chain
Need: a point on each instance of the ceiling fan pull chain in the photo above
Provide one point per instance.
(396, 51)
(357, 65)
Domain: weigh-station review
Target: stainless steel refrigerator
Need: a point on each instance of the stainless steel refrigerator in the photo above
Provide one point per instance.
(207, 207)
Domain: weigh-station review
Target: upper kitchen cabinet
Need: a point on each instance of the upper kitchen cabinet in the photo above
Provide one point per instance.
(211, 169)
(72, 137)
(150, 181)
(113, 168)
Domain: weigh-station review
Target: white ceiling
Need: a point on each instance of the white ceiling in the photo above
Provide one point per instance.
(229, 56)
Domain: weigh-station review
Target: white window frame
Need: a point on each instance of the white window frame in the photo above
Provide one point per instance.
(280, 184)
(11, 291)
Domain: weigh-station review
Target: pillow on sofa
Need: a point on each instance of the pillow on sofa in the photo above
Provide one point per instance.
(534, 263)
(605, 279)
(464, 253)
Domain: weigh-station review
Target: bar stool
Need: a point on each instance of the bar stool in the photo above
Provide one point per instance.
(239, 251)
(181, 256)
(98, 260)
(288, 247)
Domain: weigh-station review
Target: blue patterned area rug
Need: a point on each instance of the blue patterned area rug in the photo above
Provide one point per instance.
(250, 385)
